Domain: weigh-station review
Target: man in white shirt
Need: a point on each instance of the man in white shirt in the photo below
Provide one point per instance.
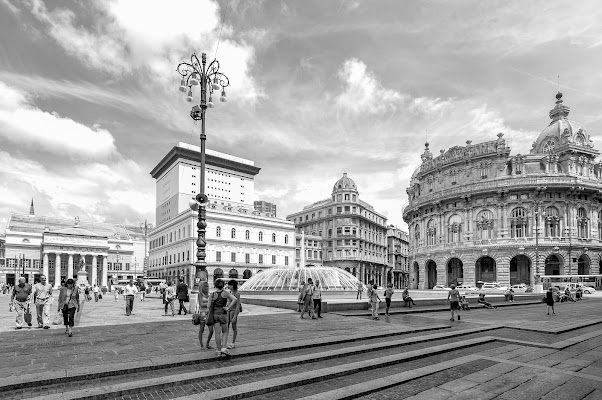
(96, 291)
(129, 291)
(42, 297)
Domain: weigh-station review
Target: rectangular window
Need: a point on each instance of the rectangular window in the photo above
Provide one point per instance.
(339, 210)
(127, 266)
(285, 260)
(298, 253)
(260, 258)
(247, 258)
(233, 256)
(273, 259)
(329, 211)
(218, 256)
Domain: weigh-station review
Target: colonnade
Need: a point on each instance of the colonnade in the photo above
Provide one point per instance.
(92, 276)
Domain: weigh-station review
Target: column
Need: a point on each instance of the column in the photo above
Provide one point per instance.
(45, 267)
(70, 266)
(93, 277)
(105, 271)
(57, 271)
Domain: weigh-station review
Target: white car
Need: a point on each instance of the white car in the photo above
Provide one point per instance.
(584, 288)
(494, 286)
(520, 288)
(440, 287)
(470, 288)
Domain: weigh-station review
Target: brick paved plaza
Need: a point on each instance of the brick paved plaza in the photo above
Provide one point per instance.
(515, 352)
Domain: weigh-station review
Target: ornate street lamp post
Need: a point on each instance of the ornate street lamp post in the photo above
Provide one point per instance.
(537, 285)
(147, 228)
(209, 78)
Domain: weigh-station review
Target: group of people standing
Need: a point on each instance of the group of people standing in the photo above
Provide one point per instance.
(219, 312)
(310, 299)
(171, 293)
(374, 299)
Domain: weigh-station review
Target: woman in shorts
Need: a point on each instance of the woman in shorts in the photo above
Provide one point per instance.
(234, 311)
(218, 315)
(388, 295)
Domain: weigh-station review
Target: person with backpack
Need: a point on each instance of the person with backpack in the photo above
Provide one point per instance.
(218, 315)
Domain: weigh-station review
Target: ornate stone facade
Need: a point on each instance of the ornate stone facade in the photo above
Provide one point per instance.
(476, 213)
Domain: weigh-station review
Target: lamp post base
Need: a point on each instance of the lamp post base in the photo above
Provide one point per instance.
(538, 288)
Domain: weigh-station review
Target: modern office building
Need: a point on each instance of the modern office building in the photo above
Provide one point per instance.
(478, 214)
(56, 247)
(265, 207)
(240, 240)
(354, 235)
(398, 249)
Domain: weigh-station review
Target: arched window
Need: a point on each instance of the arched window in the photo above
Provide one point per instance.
(273, 238)
(552, 219)
(582, 223)
(233, 273)
(261, 236)
(431, 232)
(549, 146)
(218, 231)
(454, 229)
(485, 225)
(519, 222)
(247, 234)
(218, 274)
(285, 239)
(233, 233)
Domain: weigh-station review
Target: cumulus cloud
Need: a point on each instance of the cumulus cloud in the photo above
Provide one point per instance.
(363, 92)
(23, 123)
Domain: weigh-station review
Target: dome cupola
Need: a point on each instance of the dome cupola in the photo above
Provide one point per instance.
(561, 132)
(345, 183)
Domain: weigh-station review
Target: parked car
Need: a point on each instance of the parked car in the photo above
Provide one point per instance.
(520, 288)
(469, 288)
(440, 287)
(494, 286)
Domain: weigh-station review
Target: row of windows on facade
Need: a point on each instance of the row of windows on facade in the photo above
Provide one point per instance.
(348, 242)
(14, 262)
(519, 225)
(341, 210)
(110, 266)
(218, 233)
(218, 273)
(342, 221)
(167, 260)
(315, 254)
(352, 253)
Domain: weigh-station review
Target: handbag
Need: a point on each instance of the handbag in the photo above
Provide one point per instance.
(210, 320)
(196, 319)
(187, 299)
(58, 319)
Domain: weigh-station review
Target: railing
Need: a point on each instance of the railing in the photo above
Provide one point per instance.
(529, 241)
(499, 183)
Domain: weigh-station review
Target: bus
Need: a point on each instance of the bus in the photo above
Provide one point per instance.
(560, 281)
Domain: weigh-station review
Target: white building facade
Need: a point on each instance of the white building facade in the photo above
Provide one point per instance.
(240, 241)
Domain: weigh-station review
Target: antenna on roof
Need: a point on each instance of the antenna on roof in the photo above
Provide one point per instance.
(558, 82)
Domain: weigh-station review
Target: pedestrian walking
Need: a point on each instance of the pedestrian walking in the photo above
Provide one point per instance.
(360, 291)
(301, 296)
(116, 294)
(69, 305)
(388, 295)
(374, 301)
(218, 315)
(142, 292)
(202, 307)
(21, 301)
(453, 296)
(42, 298)
(317, 299)
(96, 291)
(234, 311)
(170, 296)
(129, 292)
(308, 304)
(550, 301)
(369, 294)
(182, 295)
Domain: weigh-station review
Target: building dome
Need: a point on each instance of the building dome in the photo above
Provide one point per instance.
(560, 131)
(344, 183)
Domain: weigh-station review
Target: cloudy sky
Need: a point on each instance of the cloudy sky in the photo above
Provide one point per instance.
(89, 99)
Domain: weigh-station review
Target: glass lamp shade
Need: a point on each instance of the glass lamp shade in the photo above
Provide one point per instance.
(182, 88)
(189, 99)
(223, 97)
(194, 81)
(210, 102)
(215, 83)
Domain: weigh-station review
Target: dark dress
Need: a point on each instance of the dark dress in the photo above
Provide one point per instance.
(549, 298)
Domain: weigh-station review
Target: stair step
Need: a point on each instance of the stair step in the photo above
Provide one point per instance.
(135, 386)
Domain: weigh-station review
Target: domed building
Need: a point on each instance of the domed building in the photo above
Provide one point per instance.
(354, 235)
(478, 214)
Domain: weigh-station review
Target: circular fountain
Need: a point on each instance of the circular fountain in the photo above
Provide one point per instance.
(288, 279)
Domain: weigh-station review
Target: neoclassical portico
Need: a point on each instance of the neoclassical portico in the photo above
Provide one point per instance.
(62, 249)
